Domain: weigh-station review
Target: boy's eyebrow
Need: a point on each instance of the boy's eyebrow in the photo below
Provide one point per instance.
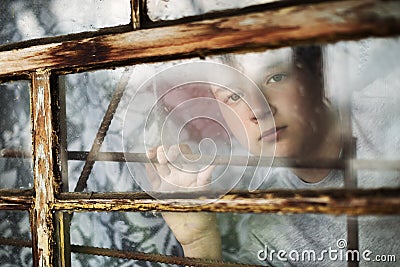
(219, 89)
(276, 65)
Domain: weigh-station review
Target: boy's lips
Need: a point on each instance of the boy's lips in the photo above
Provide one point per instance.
(271, 134)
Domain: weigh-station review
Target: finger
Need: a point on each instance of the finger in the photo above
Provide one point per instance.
(204, 177)
(151, 153)
(161, 155)
(173, 153)
(154, 179)
(185, 149)
(162, 168)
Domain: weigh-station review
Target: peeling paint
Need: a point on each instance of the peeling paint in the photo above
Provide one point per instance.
(311, 22)
(42, 221)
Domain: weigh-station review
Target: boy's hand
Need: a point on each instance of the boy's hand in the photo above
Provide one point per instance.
(168, 176)
(196, 231)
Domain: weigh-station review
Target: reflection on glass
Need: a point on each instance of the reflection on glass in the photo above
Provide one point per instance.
(15, 225)
(15, 136)
(175, 9)
(234, 109)
(23, 20)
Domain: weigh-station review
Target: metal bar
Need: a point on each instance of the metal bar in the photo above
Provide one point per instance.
(102, 132)
(136, 6)
(358, 164)
(332, 201)
(44, 181)
(62, 221)
(15, 242)
(308, 23)
(11, 205)
(350, 180)
(15, 153)
(16, 192)
(371, 164)
(62, 224)
(135, 255)
(349, 153)
(13, 199)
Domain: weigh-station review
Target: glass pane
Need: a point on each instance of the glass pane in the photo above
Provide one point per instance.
(229, 111)
(15, 225)
(316, 240)
(367, 72)
(87, 98)
(16, 256)
(371, 74)
(23, 20)
(15, 136)
(175, 9)
(266, 239)
(142, 232)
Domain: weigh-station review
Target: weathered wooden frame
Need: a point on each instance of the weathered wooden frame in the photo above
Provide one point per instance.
(265, 26)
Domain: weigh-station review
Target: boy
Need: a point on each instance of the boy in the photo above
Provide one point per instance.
(300, 122)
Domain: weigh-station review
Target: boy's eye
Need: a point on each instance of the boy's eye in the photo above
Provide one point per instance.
(234, 97)
(277, 78)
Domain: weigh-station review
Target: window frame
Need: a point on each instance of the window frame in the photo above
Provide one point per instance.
(44, 60)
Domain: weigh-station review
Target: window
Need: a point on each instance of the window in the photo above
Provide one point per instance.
(72, 191)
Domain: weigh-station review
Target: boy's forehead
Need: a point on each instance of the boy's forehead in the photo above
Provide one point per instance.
(256, 64)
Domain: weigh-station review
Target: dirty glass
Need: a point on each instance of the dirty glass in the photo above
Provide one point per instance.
(176, 9)
(15, 225)
(23, 20)
(87, 98)
(314, 239)
(130, 231)
(15, 136)
(371, 87)
(235, 112)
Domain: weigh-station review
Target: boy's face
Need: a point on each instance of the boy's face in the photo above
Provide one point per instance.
(293, 125)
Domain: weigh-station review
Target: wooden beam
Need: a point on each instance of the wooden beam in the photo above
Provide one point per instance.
(332, 201)
(308, 23)
(44, 182)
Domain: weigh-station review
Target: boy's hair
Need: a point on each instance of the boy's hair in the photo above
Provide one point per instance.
(310, 58)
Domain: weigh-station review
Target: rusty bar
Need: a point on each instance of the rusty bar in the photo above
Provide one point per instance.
(135, 255)
(15, 242)
(136, 7)
(371, 164)
(332, 201)
(44, 182)
(308, 23)
(367, 164)
(102, 132)
(349, 154)
(14, 153)
(16, 192)
(61, 220)
(14, 199)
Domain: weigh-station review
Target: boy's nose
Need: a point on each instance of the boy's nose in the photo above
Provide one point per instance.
(260, 113)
